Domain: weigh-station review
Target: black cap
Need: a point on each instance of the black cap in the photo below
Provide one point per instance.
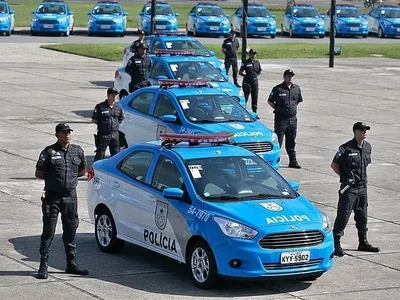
(112, 90)
(288, 72)
(361, 126)
(63, 127)
(252, 51)
(140, 32)
(233, 31)
(143, 45)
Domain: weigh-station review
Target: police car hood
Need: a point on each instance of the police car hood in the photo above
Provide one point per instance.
(226, 87)
(244, 131)
(351, 20)
(309, 20)
(213, 19)
(267, 212)
(106, 17)
(261, 19)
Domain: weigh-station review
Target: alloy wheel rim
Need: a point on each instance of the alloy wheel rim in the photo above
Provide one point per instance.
(104, 230)
(200, 265)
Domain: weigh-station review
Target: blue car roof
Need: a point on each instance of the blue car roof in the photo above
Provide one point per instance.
(185, 91)
(174, 37)
(179, 58)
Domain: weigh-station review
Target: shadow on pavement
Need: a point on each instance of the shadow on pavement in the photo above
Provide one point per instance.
(106, 84)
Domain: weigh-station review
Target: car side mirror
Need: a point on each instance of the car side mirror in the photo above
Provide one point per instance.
(273, 16)
(89, 13)
(294, 184)
(169, 118)
(173, 193)
(32, 12)
(141, 13)
(70, 13)
(191, 14)
(125, 14)
(239, 15)
(12, 12)
(227, 16)
(212, 53)
(254, 115)
(161, 77)
(177, 14)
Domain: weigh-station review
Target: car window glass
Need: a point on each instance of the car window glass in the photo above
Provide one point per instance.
(157, 45)
(164, 106)
(158, 70)
(258, 11)
(199, 49)
(142, 102)
(166, 175)
(106, 10)
(136, 165)
(3, 8)
(51, 9)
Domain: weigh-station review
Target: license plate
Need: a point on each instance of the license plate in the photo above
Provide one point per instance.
(105, 26)
(310, 28)
(295, 257)
(161, 26)
(398, 29)
(261, 28)
(214, 28)
(354, 28)
(48, 26)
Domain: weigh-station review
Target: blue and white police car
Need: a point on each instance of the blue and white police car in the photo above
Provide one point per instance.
(107, 16)
(303, 19)
(194, 106)
(218, 208)
(349, 21)
(384, 20)
(260, 21)
(181, 64)
(207, 19)
(7, 18)
(165, 17)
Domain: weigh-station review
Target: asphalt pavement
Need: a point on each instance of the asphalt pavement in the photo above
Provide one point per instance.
(39, 88)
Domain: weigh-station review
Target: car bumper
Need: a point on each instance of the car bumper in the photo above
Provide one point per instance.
(170, 27)
(49, 27)
(302, 30)
(257, 30)
(107, 28)
(272, 157)
(346, 30)
(5, 27)
(211, 30)
(390, 30)
(256, 262)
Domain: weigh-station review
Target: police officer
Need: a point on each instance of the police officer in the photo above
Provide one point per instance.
(60, 165)
(251, 68)
(140, 40)
(284, 99)
(350, 163)
(107, 115)
(138, 67)
(230, 48)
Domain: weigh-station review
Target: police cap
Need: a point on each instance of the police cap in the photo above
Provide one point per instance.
(62, 127)
(288, 72)
(112, 90)
(361, 126)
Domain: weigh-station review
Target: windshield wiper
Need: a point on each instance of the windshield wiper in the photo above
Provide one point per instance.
(223, 198)
(269, 196)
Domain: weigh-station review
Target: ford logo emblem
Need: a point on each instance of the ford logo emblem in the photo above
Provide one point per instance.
(293, 227)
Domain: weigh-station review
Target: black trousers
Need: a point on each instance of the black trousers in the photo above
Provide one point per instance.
(232, 62)
(354, 199)
(68, 207)
(251, 88)
(135, 86)
(107, 140)
(287, 127)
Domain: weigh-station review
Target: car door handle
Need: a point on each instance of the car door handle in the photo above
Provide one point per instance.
(116, 184)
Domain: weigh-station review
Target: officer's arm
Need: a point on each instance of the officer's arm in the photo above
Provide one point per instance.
(41, 166)
(83, 164)
(337, 160)
(271, 99)
(95, 115)
(335, 167)
(259, 69)
(128, 67)
(300, 97)
(223, 49)
(241, 70)
(121, 116)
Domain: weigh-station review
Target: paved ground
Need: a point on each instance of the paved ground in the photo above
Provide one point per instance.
(39, 88)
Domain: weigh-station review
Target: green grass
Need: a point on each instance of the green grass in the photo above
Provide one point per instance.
(114, 52)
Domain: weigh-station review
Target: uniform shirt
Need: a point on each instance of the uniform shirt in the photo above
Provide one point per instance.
(285, 99)
(61, 167)
(108, 118)
(252, 68)
(353, 161)
(231, 48)
(138, 67)
(135, 45)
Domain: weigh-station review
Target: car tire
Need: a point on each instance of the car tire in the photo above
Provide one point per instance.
(106, 233)
(33, 33)
(122, 34)
(72, 31)
(282, 31)
(67, 33)
(273, 36)
(8, 33)
(123, 94)
(321, 36)
(291, 32)
(380, 33)
(202, 265)
(365, 36)
(311, 277)
(89, 33)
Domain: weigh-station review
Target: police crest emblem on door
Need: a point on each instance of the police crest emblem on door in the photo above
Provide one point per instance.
(161, 215)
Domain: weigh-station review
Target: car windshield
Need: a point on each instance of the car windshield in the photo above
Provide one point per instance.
(3, 8)
(305, 12)
(213, 109)
(210, 11)
(390, 13)
(349, 13)
(237, 178)
(258, 12)
(106, 10)
(163, 10)
(195, 70)
(51, 9)
(199, 49)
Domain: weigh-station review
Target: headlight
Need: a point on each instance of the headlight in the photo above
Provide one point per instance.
(226, 22)
(387, 23)
(296, 22)
(34, 19)
(326, 224)
(173, 21)
(340, 22)
(62, 20)
(365, 23)
(274, 138)
(92, 20)
(2, 19)
(320, 23)
(199, 21)
(119, 20)
(236, 230)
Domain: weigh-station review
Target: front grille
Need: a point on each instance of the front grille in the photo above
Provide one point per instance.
(213, 23)
(260, 24)
(48, 22)
(291, 239)
(353, 24)
(396, 25)
(104, 22)
(278, 266)
(257, 147)
(162, 23)
(310, 25)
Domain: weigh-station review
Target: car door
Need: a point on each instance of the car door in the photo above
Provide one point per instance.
(165, 106)
(327, 20)
(130, 194)
(138, 125)
(237, 20)
(158, 70)
(190, 19)
(371, 19)
(286, 20)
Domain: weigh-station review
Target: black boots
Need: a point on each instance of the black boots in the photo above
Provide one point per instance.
(44, 264)
(363, 243)
(74, 268)
(293, 162)
(338, 248)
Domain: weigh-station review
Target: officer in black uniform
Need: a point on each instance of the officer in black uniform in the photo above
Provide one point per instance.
(251, 68)
(284, 99)
(140, 40)
(60, 165)
(350, 163)
(139, 67)
(107, 115)
(230, 48)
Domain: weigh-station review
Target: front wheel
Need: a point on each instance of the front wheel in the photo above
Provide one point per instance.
(380, 33)
(272, 36)
(203, 267)
(106, 233)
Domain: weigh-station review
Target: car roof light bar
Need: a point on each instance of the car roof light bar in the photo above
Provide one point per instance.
(202, 82)
(170, 139)
(160, 52)
(177, 33)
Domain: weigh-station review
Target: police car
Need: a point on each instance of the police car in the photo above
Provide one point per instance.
(180, 64)
(349, 21)
(384, 20)
(165, 17)
(260, 21)
(303, 19)
(176, 41)
(216, 207)
(193, 106)
(52, 16)
(7, 19)
(207, 19)
(107, 17)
